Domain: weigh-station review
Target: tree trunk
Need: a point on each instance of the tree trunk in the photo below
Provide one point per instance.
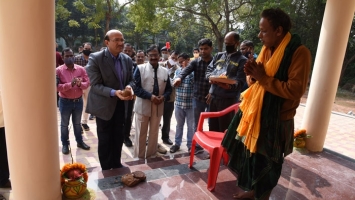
(345, 65)
(108, 18)
(220, 41)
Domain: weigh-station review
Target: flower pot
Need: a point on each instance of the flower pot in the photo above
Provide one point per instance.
(74, 189)
(299, 143)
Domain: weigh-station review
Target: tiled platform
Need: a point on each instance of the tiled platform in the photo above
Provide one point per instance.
(326, 175)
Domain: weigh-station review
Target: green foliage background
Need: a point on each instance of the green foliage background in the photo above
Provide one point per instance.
(183, 23)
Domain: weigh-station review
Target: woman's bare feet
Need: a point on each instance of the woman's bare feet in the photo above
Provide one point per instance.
(244, 195)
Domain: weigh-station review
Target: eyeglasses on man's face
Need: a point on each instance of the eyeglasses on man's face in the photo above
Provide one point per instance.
(116, 40)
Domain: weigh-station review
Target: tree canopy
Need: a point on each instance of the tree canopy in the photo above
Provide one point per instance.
(183, 23)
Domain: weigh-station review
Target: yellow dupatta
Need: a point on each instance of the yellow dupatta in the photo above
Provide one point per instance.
(252, 102)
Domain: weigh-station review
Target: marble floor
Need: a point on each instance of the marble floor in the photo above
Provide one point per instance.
(326, 175)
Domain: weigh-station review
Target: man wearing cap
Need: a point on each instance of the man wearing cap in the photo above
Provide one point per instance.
(165, 53)
(171, 65)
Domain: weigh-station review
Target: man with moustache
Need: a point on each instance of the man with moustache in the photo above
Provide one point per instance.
(196, 53)
(231, 64)
(82, 60)
(261, 133)
(72, 80)
(247, 48)
(110, 73)
(149, 107)
(140, 57)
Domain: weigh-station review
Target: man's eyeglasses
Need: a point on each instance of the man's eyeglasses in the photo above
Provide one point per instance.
(116, 40)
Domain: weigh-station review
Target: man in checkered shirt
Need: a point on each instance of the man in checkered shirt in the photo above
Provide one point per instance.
(183, 105)
(201, 84)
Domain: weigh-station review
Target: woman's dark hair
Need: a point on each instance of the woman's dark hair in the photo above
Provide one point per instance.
(277, 17)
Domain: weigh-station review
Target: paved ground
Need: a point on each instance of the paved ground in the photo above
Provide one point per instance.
(340, 139)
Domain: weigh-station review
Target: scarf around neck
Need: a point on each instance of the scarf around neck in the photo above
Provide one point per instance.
(253, 97)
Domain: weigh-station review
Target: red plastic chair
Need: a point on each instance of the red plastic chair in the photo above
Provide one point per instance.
(211, 141)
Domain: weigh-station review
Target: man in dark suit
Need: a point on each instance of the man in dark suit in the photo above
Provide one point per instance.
(110, 73)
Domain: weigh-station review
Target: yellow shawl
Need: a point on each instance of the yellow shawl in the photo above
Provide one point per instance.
(252, 102)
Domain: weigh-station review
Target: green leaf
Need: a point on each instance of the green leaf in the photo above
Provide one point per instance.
(73, 23)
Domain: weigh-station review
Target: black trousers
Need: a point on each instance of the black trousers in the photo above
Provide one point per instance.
(220, 124)
(111, 136)
(4, 165)
(128, 123)
(168, 113)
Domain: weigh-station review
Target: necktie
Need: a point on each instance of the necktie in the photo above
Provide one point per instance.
(156, 86)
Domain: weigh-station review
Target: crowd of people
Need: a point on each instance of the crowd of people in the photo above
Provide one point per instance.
(119, 84)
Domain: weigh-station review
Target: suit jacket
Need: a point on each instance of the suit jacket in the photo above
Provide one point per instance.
(103, 78)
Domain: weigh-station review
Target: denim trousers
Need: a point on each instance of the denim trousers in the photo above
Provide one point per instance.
(198, 106)
(181, 115)
(69, 108)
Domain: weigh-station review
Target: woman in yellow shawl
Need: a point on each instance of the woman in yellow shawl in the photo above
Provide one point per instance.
(260, 135)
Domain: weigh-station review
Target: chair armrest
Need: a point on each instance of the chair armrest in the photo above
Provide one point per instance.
(205, 115)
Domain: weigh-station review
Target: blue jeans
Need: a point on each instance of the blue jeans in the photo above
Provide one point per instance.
(180, 116)
(198, 106)
(69, 108)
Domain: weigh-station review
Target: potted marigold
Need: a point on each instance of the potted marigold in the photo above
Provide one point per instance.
(299, 138)
(73, 180)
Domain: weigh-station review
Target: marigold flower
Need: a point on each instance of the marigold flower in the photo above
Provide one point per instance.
(67, 167)
(300, 133)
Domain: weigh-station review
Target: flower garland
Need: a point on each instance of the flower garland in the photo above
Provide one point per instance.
(71, 172)
(301, 134)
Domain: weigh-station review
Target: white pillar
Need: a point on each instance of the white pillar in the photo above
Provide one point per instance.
(326, 72)
(27, 76)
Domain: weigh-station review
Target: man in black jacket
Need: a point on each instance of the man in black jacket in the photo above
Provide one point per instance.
(223, 94)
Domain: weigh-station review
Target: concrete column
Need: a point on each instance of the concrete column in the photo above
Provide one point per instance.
(326, 72)
(27, 76)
